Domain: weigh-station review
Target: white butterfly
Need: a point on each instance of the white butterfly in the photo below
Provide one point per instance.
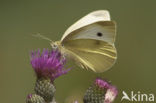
(90, 41)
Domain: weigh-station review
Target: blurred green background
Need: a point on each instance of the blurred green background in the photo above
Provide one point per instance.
(135, 69)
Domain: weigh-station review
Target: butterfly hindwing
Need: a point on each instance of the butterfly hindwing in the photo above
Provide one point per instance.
(94, 54)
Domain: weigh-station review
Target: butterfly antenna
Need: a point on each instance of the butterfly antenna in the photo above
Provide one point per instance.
(42, 37)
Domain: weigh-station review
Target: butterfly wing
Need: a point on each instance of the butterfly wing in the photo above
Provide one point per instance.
(92, 45)
(96, 16)
(93, 54)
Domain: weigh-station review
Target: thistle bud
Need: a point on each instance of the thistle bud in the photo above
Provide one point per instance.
(45, 89)
(34, 98)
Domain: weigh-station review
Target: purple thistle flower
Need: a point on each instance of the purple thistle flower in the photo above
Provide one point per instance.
(101, 84)
(48, 64)
(111, 92)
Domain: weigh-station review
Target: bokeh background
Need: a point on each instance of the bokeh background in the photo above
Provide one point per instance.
(135, 69)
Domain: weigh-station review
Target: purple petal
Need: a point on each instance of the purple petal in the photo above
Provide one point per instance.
(48, 63)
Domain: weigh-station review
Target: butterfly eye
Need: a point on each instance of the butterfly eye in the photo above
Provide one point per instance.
(99, 34)
(54, 46)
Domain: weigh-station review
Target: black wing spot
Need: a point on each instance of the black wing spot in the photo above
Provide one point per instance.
(99, 34)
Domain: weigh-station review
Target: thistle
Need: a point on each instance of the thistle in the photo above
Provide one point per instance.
(47, 65)
(100, 92)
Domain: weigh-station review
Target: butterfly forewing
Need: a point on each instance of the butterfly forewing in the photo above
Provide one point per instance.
(93, 17)
(104, 31)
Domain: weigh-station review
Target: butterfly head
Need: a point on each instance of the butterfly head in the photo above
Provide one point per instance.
(55, 45)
